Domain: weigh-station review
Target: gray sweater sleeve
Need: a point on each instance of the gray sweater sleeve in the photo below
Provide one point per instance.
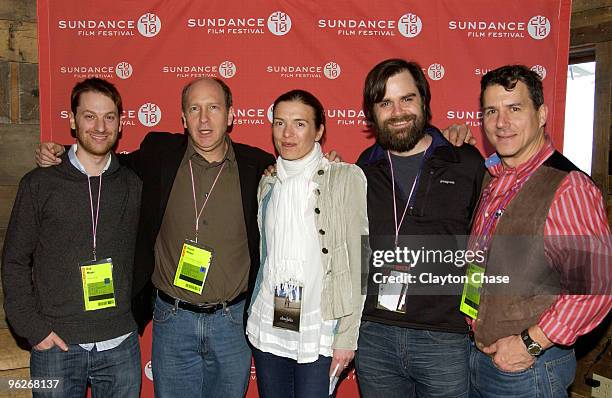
(20, 298)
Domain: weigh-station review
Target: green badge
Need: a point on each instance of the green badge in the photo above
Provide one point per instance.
(193, 267)
(470, 299)
(98, 289)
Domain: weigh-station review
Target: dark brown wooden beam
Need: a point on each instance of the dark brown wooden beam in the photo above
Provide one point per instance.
(602, 108)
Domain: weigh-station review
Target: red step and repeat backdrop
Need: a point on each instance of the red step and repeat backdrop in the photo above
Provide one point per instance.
(150, 48)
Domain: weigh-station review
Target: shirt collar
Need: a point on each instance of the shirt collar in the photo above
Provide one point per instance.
(497, 168)
(77, 163)
(437, 139)
(192, 154)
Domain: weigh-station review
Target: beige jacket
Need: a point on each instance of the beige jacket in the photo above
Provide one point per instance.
(341, 221)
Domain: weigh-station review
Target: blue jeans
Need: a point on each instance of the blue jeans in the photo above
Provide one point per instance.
(392, 362)
(279, 377)
(199, 355)
(112, 373)
(549, 377)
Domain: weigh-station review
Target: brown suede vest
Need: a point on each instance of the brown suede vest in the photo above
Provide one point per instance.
(517, 250)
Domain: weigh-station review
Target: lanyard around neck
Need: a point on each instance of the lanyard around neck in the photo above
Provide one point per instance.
(399, 225)
(195, 204)
(484, 239)
(94, 220)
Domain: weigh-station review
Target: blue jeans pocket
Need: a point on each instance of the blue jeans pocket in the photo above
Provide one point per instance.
(519, 384)
(235, 313)
(162, 311)
(520, 373)
(561, 373)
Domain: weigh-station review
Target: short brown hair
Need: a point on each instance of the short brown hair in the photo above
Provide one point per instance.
(98, 86)
(507, 76)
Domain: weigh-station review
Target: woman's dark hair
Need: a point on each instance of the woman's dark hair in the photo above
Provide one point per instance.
(305, 98)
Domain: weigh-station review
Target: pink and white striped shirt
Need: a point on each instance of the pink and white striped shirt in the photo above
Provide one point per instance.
(577, 210)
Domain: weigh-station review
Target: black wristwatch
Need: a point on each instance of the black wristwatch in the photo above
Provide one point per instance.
(533, 348)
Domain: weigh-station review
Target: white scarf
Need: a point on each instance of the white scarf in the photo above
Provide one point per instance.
(287, 252)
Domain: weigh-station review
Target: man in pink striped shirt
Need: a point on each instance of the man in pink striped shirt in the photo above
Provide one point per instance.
(542, 222)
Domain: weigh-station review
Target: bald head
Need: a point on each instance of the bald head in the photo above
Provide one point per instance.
(227, 93)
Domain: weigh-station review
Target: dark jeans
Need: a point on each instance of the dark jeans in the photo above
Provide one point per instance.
(112, 373)
(199, 355)
(549, 377)
(392, 362)
(279, 377)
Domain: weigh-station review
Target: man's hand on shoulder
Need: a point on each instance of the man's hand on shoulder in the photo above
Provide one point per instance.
(50, 341)
(333, 156)
(48, 153)
(459, 134)
(270, 171)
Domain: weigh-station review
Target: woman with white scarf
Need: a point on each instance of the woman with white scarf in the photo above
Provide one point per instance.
(306, 308)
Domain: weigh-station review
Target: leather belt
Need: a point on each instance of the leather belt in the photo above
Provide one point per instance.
(206, 308)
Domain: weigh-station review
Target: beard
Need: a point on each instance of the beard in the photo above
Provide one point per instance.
(403, 139)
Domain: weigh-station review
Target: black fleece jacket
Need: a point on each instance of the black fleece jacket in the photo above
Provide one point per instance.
(50, 233)
(445, 197)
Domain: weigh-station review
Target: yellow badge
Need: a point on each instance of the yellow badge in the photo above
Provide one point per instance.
(470, 298)
(193, 267)
(98, 289)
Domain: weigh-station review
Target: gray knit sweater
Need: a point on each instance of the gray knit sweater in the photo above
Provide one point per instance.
(50, 233)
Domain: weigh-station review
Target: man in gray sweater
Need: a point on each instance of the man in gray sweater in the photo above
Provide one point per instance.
(68, 258)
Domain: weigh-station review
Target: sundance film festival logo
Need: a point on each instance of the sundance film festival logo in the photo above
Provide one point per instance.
(149, 115)
(540, 70)
(99, 27)
(149, 25)
(435, 71)
(410, 25)
(332, 70)
(88, 71)
(279, 23)
(359, 27)
(124, 70)
(538, 27)
(227, 69)
(191, 71)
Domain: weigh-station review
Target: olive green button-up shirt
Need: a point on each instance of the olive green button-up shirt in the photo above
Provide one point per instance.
(221, 228)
